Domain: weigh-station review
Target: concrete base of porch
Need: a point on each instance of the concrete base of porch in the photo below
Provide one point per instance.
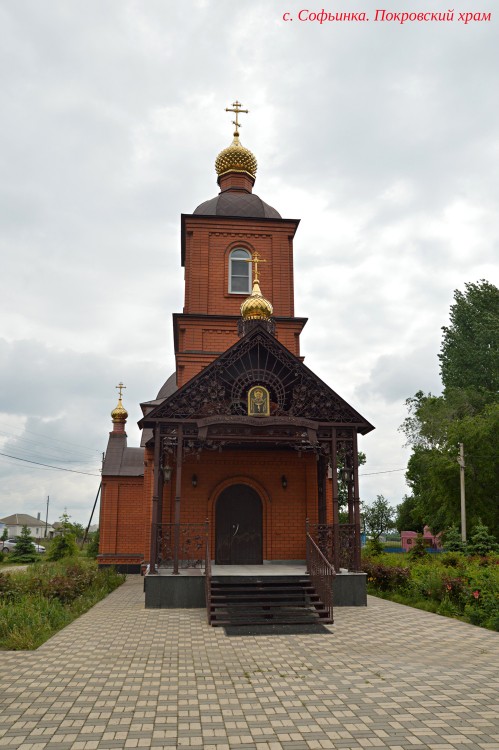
(187, 590)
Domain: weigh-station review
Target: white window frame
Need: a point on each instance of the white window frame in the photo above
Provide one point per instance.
(248, 257)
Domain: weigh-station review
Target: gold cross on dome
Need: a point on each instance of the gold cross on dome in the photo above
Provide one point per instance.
(120, 386)
(237, 109)
(256, 260)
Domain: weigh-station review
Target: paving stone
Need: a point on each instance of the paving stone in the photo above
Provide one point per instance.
(125, 677)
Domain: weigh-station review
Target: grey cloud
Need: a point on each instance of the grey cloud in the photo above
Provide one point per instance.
(396, 377)
(112, 118)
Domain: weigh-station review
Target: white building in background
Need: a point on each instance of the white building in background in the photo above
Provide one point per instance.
(36, 526)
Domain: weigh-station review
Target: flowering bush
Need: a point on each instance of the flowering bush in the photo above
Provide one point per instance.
(385, 577)
(453, 584)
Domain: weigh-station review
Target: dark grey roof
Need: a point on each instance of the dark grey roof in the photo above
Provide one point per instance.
(122, 461)
(147, 434)
(237, 203)
(168, 387)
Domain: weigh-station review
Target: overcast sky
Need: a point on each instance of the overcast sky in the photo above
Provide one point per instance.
(382, 138)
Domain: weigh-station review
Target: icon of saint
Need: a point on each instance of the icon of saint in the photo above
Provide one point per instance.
(258, 402)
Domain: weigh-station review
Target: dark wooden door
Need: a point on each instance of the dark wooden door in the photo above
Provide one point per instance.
(238, 527)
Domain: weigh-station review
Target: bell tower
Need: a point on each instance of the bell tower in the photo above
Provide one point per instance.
(223, 242)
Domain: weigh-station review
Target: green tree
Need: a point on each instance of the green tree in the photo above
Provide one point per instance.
(433, 471)
(64, 544)
(452, 541)
(469, 356)
(5, 534)
(24, 551)
(408, 517)
(77, 530)
(481, 541)
(467, 412)
(378, 517)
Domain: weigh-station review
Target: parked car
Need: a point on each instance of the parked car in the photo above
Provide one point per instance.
(9, 545)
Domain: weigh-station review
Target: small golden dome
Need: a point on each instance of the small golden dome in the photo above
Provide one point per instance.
(236, 158)
(256, 307)
(119, 413)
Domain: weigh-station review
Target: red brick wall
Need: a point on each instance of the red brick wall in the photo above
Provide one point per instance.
(208, 245)
(122, 522)
(126, 515)
(201, 340)
(284, 510)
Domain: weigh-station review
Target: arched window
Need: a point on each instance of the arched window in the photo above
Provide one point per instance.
(239, 271)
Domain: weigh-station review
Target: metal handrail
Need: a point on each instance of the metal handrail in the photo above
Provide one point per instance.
(207, 573)
(339, 544)
(180, 545)
(322, 574)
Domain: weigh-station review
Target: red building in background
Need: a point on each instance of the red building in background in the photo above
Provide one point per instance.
(243, 443)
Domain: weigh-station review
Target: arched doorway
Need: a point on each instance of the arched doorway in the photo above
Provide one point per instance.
(238, 526)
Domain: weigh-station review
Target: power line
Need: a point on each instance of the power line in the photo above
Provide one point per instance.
(47, 437)
(29, 468)
(41, 451)
(39, 445)
(58, 468)
(373, 473)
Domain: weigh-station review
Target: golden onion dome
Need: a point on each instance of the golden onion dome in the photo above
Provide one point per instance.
(236, 158)
(256, 307)
(119, 413)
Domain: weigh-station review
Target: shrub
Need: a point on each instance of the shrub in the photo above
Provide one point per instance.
(385, 577)
(373, 548)
(418, 550)
(452, 559)
(426, 582)
(93, 545)
(452, 541)
(481, 542)
(475, 614)
(64, 544)
(463, 587)
(453, 587)
(24, 551)
(447, 608)
(493, 622)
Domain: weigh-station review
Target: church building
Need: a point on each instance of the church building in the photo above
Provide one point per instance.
(247, 458)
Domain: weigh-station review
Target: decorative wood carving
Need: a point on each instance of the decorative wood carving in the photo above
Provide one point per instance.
(258, 359)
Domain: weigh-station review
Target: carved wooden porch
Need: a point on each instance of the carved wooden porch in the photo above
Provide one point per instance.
(209, 416)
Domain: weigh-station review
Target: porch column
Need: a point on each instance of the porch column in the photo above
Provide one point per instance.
(356, 502)
(350, 491)
(178, 488)
(153, 556)
(336, 513)
(321, 490)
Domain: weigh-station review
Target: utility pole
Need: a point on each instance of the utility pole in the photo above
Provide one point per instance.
(460, 460)
(47, 516)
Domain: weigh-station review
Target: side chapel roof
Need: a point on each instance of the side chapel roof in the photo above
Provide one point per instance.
(121, 461)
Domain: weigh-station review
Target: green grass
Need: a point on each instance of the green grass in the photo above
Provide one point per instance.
(36, 603)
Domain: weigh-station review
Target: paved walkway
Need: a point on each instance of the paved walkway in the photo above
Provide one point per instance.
(121, 676)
